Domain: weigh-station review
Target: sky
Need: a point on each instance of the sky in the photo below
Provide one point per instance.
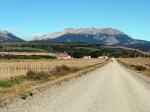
(29, 18)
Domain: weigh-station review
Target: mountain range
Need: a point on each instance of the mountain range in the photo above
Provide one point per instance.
(105, 36)
(6, 36)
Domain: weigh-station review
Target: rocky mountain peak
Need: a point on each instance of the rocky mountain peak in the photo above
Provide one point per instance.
(7, 36)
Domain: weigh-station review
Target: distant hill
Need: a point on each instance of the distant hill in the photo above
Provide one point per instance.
(73, 49)
(140, 46)
(105, 36)
(6, 36)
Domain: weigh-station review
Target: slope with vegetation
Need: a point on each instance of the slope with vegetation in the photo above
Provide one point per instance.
(76, 50)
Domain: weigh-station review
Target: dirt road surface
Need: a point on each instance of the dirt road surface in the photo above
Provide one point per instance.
(111, 88)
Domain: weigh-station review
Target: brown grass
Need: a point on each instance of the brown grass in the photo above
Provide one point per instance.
(57, 71)
(28, 86)
(139, 64)
(12, 68)
(64, 69)
(37, 75)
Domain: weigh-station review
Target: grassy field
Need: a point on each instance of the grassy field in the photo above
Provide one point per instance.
(140, 64)
(59, 70)
(27, 53)
(12, 68)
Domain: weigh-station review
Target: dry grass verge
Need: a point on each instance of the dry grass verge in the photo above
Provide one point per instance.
(139, 64)
(13, 68)
(42, 80)
(31, 75)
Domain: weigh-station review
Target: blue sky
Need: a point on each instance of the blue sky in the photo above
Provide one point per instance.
(27, 18)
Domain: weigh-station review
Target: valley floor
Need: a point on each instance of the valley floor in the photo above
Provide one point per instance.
(111, 88)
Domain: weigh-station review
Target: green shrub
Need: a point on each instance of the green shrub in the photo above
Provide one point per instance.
(5, 83)
(11, 56)
(77, 54)
(12, 81)
(95, 54)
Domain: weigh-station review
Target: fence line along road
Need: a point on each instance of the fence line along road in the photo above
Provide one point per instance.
(16, 70)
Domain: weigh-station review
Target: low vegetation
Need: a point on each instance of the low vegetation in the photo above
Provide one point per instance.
(34, 57)
(13, 68)
(64, 69)
(11, 82)
(76, 50)
(41, 75)
(138, 64)
(33, 75)
(57, 71)
(34, 79)
(138, 67)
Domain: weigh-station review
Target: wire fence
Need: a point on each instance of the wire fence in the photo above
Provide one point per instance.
(12, 69)
(16, 70)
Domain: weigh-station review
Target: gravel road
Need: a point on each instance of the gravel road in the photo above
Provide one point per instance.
(111, 88)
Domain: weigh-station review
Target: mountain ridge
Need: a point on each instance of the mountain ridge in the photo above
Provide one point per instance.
(6, 36)
(105, 36)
